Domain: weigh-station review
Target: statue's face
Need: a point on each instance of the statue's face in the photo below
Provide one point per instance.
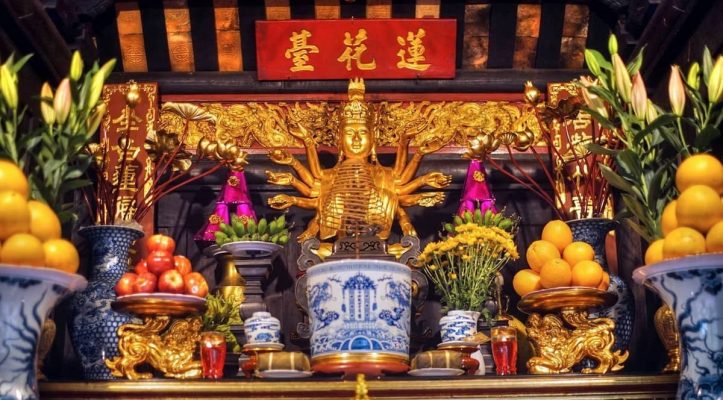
(356, 140)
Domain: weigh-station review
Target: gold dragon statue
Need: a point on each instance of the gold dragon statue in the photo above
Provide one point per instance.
(358, 192)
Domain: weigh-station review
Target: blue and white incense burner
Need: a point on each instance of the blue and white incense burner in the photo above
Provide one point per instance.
(262, 328)
(693, 288)
(360, 313)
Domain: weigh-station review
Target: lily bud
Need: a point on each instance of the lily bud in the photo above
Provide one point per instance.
(639, 98)
(715, 83)
(46, 99)
(592, 100)
(613, 44)
(8, 87)
(62, 101)
(76, 66)
(676, 91)
(532, 95)
(693, 78)
(592, 63)
(622, 79)
(95, 119)
(651, 113)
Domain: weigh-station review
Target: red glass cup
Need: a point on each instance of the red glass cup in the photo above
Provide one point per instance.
(504, 349)
(213, 354)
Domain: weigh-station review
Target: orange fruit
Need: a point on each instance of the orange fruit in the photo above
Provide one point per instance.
(578, 251)
(43, 222)
(698, 207)
(13, 178)
(714, 239)
(540, 252)
(668, 222)
(605, 283)
(654, 253)
(683, 241)
(555, 273)
(558, 233)
(587, 273)
(23, 249)
(700, 169)
(14, 214)
(61, 254)
(526, 281)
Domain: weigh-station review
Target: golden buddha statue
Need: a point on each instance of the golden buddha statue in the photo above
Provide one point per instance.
(358, 192)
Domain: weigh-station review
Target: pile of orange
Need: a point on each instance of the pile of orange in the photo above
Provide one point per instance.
(29, 229)
(557, 261)
(693, 223)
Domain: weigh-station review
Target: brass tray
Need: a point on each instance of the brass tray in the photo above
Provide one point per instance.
(575, 297)
(156, 304)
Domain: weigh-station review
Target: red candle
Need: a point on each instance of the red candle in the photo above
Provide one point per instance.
(213, 354)
(504, 349)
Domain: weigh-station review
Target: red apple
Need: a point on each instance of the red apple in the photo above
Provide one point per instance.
(125, 285)
(146, 283)
(196, 284)
(159, 261)
(160, 242)
(182, 265)
(141, 267)
(171, 281)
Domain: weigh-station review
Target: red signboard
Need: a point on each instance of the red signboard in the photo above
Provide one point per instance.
(367, 48)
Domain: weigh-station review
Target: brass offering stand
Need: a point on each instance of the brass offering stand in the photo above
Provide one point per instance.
(252, 351)
(165, 340)
(565, 335)
(469, 364)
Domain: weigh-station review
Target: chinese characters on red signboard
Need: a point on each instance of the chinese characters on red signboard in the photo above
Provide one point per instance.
(340, 49)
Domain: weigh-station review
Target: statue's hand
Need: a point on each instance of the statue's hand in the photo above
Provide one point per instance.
(299, 132)
(412, 129)
(279, 178)
(281, 202)
(280, 156)
(437, 180)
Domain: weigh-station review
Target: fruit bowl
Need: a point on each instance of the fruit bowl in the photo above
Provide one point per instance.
(575, 297)
(252, 249)
(154, 304)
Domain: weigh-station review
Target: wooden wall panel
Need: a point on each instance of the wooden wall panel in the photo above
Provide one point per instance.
(277, 9)
(427, 9)
(526, 34)
(327, 9)
(178, 30)
(130, 36)
(228, 35)
(574, 36)
(476, 36)
(379, 8)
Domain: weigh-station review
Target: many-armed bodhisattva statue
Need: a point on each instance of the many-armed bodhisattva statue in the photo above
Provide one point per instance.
(358, 192)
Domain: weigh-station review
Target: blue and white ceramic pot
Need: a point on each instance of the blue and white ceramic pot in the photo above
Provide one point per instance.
(262, 328)
(458, 325)
(593, 231)
(27, 295)
(693, 288)
(94, 324)
(359, 310)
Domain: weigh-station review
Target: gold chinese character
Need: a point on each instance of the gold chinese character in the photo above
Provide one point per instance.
(354, 50)
(300, 50)
(415, 50)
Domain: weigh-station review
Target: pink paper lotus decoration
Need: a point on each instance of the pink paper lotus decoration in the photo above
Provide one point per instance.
(476, 192)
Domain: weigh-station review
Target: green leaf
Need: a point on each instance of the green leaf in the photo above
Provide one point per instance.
(74, 184)
(629, 162)
(634, 66)
(662, 120)
(600, 58)
(16, 67)
(614, 179)
(707, 137)
(604, 122)
(602, 150)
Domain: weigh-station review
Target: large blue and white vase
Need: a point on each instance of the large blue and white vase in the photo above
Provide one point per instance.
(360, 310)
(693, 288)
(458, 325)
(94, 324)
(593, 231)
(27, 295)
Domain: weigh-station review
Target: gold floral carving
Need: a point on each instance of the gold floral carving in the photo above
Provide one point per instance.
(252, 124)
(668, 332)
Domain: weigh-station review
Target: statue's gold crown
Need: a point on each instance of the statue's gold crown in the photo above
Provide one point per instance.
(356, 110)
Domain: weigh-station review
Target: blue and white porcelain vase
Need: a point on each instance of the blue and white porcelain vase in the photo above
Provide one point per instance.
(262, 328)
(27, 295)
(593, 231)
(94, 324)
(360, 310)
(693, 288)
(458, 325)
